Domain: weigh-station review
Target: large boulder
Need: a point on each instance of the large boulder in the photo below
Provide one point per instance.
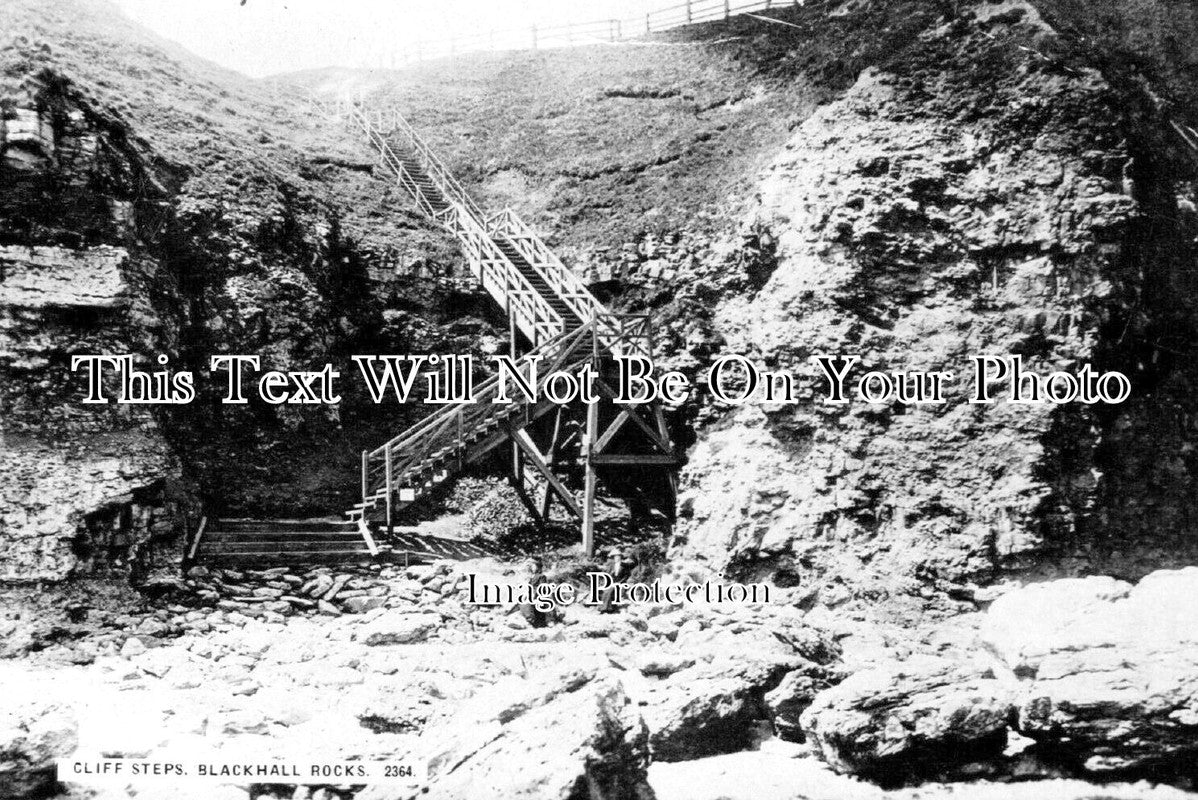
(922, 716)
(33, 735)
(719, 705)
(565, 736)
(695, 715)
(1106, 672)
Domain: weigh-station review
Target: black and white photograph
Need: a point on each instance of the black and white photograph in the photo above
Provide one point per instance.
(620, 400)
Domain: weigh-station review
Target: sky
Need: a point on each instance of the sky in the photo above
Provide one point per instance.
(264, 37)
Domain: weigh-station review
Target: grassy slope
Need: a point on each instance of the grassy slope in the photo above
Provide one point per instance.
(223, 135)
(597, 144)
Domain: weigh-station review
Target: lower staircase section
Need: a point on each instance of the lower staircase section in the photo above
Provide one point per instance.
(280, 541)
(275, 542)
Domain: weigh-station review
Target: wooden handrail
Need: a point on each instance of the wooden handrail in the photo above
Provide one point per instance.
(533, 313)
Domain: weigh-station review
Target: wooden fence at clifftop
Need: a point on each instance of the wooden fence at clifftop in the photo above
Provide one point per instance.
(603, 31)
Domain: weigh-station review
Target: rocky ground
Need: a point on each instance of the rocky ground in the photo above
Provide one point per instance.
(1058, 687)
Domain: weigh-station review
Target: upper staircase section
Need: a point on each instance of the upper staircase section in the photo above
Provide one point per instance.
(541, 296)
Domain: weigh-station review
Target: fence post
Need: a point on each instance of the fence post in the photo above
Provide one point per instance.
(767, 5)
(534, 37)
(648, 28)
(727, 9)
(611, 30)
(619, 29)
(688, 12)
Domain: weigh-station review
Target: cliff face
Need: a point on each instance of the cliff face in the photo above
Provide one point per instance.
(976, 194)
(80, 483)
(156, 206)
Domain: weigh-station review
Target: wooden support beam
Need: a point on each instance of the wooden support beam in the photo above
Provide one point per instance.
(588, 495)
(612, 430)
(648, 459)
(547, 498)
(518, 483)
(659, 416)
(364, 530)
(195, 543)
(662, 442)
(526, 444)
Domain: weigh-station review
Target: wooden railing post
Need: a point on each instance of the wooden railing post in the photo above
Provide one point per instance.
(365, 470)
(727, 9)
(387, 456)
(648, 28)
(689, 16)
(589, 480)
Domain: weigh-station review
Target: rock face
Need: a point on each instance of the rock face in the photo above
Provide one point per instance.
(1105, 673)
(931, 213)
(570, 740)
(131, 226)
(925, 715)
(84, 484)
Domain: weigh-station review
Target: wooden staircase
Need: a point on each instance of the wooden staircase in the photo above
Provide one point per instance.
(568, 328)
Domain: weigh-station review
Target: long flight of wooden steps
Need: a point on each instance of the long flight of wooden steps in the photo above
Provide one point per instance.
(562, 322)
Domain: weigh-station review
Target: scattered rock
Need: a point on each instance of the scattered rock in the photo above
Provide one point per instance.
(33, 734)
(398, 627)
(924, 714)
(132, 647)
(1106, 673)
